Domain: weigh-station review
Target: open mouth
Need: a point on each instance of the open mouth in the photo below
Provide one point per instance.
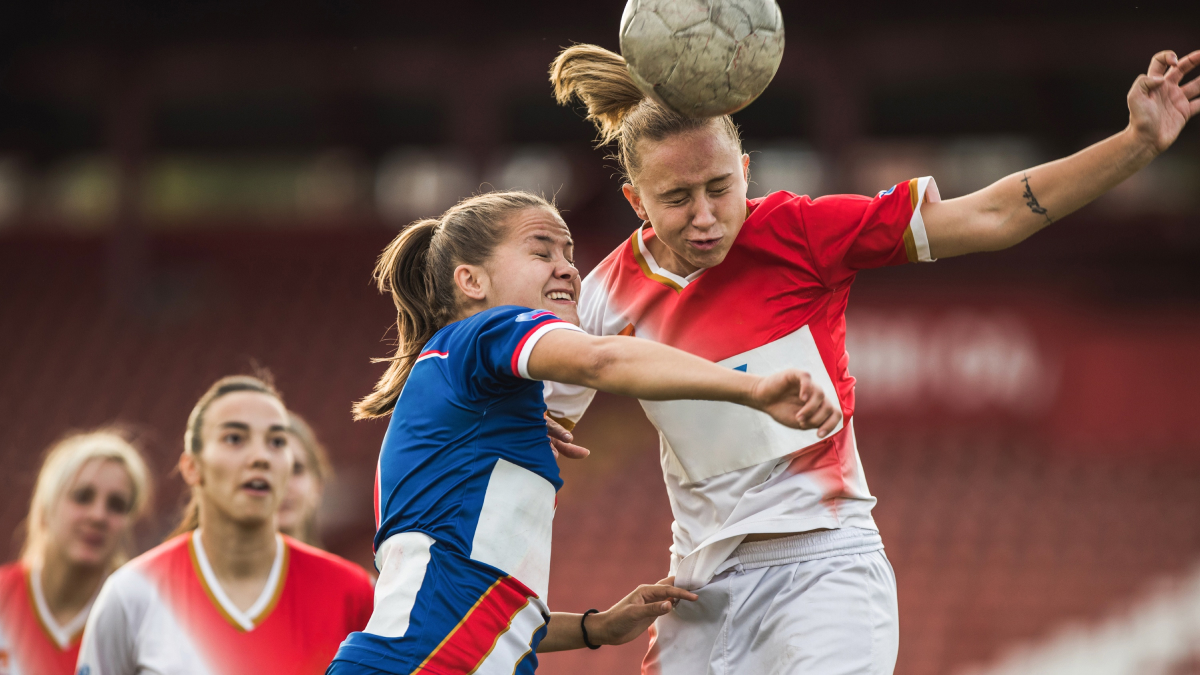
(705, 244)
(561, 296)
(257, 486)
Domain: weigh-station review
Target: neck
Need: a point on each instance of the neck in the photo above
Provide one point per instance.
(239, 551)
(67, 586)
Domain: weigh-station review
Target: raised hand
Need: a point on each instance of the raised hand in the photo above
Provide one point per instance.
(635, 612)
(1159, 103)
(791, 398)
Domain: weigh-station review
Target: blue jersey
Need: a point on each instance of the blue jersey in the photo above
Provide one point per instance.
(464, 506)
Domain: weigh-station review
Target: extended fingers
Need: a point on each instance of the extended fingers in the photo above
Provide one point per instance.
(1175, 73)
(660, 592)
(1161, 62)
(806, 385)
(813, 405)
(569, 450)
(830, 423)
(557, 430)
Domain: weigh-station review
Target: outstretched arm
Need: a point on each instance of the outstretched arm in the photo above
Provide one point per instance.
(1013, 208)
(647, 370)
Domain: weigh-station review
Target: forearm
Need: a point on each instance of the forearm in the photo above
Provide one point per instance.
(564, 632)
(654, 372)
(1015, 207)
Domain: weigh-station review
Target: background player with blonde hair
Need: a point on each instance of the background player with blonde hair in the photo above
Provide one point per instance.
(777, 537)
(228, 594)
(90, 491)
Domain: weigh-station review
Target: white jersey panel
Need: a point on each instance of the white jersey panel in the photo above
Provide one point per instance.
(709, 438)
(515, 525)
(132, 631)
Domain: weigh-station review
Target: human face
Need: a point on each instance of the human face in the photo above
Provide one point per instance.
(243, 467)
(692, 189)
(302, 496)
(533, 267)
(87, 521)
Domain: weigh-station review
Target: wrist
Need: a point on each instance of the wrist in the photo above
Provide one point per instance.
(599, 628)
(747, 393)
(1142, 148)
(594, 628)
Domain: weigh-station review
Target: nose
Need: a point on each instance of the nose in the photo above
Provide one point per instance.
(262, 456)
(566, 271)
(97, 510)
(705, 215)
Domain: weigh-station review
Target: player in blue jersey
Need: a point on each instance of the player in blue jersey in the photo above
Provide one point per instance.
(466, 482)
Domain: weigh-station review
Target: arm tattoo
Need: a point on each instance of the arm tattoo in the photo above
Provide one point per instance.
(1032, 202)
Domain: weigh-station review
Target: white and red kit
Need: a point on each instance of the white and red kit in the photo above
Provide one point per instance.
(31, 641)
(778, 300)
(165, 612)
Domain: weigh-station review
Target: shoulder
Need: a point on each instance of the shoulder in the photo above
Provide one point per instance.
(308, 560)
(492, 317)
(12, 583)
(12, 573)
(172, 551)
(788, 206)
(620, 259)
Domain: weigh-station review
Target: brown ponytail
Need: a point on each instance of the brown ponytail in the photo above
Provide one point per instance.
(417, 269)
(193, 441)
(621, 112)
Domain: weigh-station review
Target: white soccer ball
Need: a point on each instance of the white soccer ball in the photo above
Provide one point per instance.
(702, 58)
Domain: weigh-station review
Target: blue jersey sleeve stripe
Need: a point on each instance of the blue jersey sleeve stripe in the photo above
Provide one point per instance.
(520, 357)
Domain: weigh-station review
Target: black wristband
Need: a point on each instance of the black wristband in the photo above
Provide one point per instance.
(583, 628)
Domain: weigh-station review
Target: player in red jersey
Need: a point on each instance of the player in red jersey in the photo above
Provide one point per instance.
(774, 530)
(90, 491)
(228, 595)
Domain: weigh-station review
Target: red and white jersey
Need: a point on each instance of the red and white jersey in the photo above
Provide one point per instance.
(31, 641)
(777, 301)
(165, 612)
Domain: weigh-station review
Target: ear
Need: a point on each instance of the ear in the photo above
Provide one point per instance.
(635, 200)
(746, 167)
(189, 469)
(472, 281)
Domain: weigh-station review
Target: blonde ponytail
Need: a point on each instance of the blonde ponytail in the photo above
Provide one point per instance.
(600, 79)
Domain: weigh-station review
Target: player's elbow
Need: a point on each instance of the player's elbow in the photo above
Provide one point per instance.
(597, 364)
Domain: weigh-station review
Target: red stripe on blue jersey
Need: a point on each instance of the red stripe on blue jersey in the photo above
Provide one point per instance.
(475, 636)
(521, 345)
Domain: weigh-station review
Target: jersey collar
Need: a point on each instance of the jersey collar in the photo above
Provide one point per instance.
(651, 268)
(257, 613)
(63, 635)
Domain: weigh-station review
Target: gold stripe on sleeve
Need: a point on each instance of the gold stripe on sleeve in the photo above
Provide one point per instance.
(910, 245)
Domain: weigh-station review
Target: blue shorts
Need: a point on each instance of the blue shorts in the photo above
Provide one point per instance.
(457, 616)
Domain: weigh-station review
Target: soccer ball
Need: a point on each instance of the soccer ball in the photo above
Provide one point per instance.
(702, 58)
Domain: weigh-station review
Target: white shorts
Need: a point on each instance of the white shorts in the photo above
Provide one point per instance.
(818, 603)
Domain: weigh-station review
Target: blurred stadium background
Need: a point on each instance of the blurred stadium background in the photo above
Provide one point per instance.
(187, 189)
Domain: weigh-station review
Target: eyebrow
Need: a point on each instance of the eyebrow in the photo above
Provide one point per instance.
(550, 240)
(242, 426)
